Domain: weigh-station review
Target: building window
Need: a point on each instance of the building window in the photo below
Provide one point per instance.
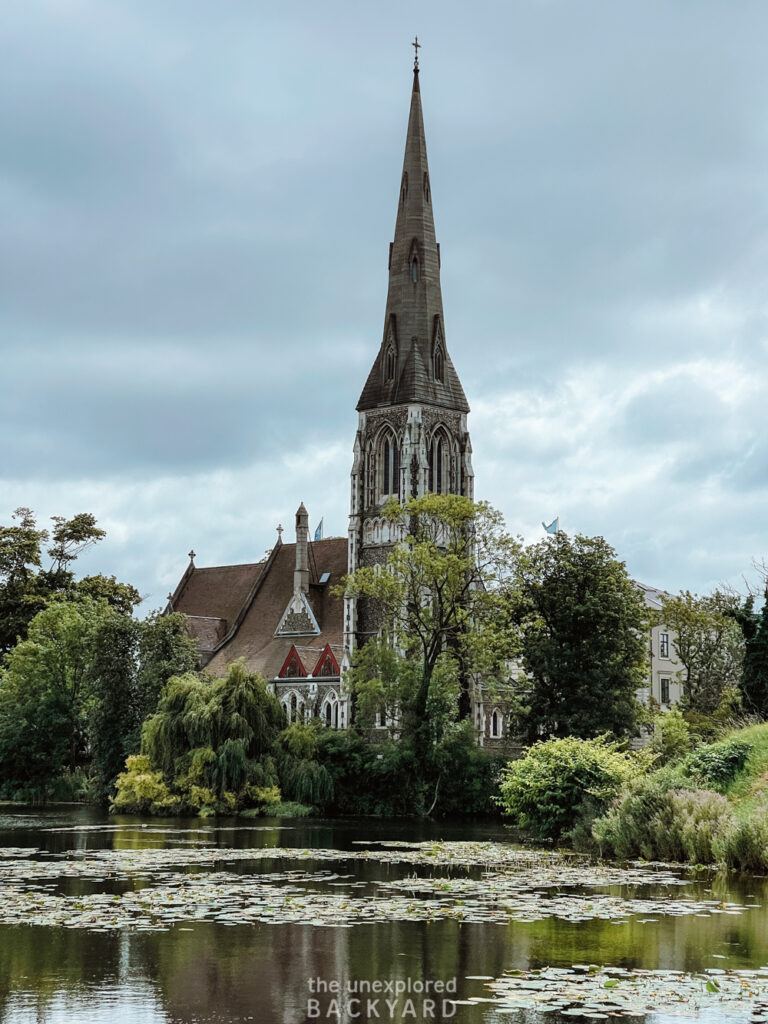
(390, 370)
(390, 466)
(438, 471)
(664, 684)
(439, 364)
(663, 645)
(415, 269)
(495, 724)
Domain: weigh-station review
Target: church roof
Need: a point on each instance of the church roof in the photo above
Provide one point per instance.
(235, 610)
(405, 369)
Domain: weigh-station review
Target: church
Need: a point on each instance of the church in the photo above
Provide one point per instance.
(280, 614)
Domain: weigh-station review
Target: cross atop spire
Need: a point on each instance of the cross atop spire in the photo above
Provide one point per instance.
(416, 47)
(413, 365)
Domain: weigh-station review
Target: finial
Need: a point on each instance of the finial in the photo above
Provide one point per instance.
(416, 47)
(192, 555)
(279, 531)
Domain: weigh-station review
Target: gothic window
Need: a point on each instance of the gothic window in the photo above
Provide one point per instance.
(294, 706)
(439, 465)
(389, 450)
(330, 710)
(426, 186)
(415, 269)
(404, 187)
(495, 724)
(390, 364)
(439, 363)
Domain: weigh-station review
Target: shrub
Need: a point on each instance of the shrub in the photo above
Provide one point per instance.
(718, 764)
(546, 789)
(656, 819)
(140, 790)
(743, 842)
(671, 736)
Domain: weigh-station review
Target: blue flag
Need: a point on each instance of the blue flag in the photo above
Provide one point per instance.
(553, 527)
(319, 531)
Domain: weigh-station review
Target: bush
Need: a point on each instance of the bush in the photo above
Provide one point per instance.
(140, 790)
(547, 788)
(743, 842)
(718, 764)
(656, 819)
(671, 736)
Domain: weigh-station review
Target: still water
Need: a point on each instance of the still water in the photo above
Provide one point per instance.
(95, 966)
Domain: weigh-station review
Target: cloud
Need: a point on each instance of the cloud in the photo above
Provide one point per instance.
(197, 204)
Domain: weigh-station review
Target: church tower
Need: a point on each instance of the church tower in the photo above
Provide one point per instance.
(412, 433)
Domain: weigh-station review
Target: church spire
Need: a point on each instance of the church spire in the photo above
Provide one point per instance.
(413, 365)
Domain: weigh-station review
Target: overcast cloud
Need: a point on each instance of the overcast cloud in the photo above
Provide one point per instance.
(196, 203)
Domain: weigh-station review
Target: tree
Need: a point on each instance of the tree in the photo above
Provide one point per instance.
(754, 679)
(210, 744)
(43, 693)
(75, 692)
(709, 642)
(26, 587)
(438, 600)
(584, 625)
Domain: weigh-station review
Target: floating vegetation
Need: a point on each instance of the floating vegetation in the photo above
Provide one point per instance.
(590, 991)
(176, 885)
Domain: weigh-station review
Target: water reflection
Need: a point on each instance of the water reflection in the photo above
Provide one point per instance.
(204, 971)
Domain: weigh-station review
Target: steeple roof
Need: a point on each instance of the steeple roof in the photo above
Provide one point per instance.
(413, 365)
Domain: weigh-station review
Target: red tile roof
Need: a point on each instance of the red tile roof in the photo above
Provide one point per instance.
(252, 598)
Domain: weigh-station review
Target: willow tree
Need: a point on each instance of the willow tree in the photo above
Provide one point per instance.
(213, 739)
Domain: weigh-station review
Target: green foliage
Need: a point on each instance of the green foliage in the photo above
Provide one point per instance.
(545, 789)
(74, 693)
(211, 743)
(280, 809)
(657, 820)
(583, 625)
(718, 764)
(754, 680)
(671, 736)
(300, 739)
(439, 591)
(142, 790)
(26, 587)
(742, 841)
(709, 643)
(665, 815)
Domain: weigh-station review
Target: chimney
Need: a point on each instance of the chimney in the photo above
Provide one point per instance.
(301, 575)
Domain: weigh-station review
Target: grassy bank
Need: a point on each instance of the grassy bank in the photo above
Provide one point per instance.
(704, 805)
(709, 806)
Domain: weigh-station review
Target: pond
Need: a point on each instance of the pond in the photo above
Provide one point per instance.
(283, 922)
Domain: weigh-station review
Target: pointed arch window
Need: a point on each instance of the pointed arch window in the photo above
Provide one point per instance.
(415, 269)
(426, 186)
(439, 364)
(389, 454)
(439, 468)
(389, 364)
(404, 187)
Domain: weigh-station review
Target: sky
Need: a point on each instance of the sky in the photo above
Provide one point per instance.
(196, 205)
